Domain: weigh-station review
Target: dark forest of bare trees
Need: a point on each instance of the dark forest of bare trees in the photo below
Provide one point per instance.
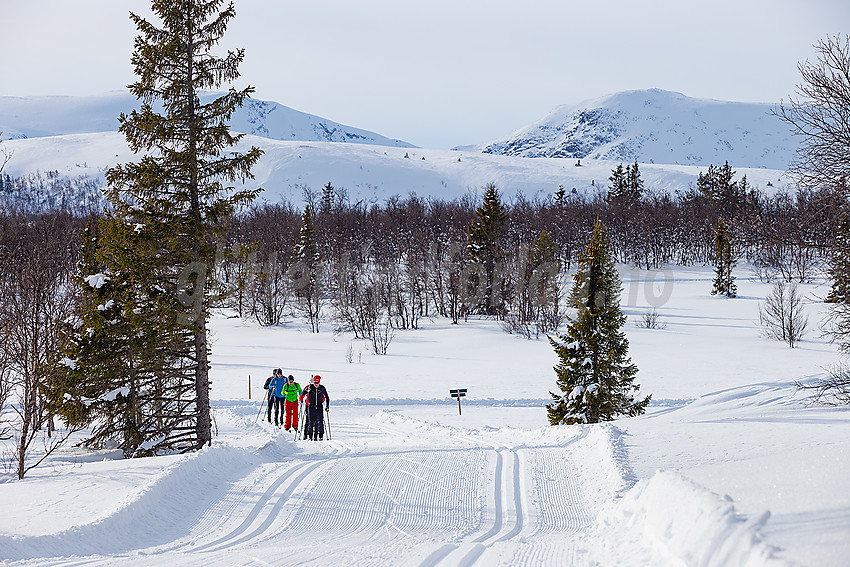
(410, 257)
(37, 259)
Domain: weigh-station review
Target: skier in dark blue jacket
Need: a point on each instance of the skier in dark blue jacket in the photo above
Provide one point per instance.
(275, 385)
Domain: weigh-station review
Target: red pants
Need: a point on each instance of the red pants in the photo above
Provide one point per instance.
(290, 409)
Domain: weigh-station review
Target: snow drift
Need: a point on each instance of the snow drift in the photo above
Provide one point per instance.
(686, 522)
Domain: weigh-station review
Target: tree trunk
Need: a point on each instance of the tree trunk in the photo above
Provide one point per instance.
(202, 384)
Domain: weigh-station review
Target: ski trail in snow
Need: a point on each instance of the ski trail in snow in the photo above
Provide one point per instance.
(389, 496)
(560, 513)
(508, 510)
(497, 506)
(268, 506)
(519, 535)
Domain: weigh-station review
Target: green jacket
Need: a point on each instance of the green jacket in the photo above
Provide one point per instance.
(292, 391)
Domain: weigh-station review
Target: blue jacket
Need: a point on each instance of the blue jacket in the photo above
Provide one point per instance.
(276, 384)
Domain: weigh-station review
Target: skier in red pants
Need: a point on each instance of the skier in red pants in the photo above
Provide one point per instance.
(291, 391)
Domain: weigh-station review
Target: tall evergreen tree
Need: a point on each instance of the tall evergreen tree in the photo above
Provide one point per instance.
(839, 263)
(126, 374)
(617, 189)
(542, 272)
(306, 270)
(485, 250)
(595, 375)
(626, 185)
(328, 198)
(723, 258)
(168, 211)
(717, 185)
(560, 197)
(634, 181)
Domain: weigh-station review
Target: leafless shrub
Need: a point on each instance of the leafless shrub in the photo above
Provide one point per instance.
(515, 324)
(271, 292)
(832, 390)
(651, 320)
(781, 314)
(381, 336)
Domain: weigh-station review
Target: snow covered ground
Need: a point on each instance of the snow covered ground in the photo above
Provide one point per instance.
(731, 465)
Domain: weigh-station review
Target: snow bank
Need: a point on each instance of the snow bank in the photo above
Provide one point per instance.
(685, 523)
(155, 516)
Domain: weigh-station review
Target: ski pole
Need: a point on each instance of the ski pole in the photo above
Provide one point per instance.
(298, 418)
(302, 417)
(261, 407)
(328, 415)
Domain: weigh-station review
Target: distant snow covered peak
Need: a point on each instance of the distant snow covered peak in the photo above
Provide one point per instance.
(657, 126)
(272, 120)
(35, 117)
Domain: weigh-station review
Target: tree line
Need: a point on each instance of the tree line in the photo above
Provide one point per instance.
(371, 270)
(414, 257)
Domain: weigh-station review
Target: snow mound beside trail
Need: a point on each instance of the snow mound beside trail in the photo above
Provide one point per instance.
(683, 523)
(152, 516)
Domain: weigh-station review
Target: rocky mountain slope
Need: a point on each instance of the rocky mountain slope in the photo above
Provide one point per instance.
(656, 126)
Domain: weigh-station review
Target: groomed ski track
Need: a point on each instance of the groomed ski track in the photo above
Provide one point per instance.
(384, 491)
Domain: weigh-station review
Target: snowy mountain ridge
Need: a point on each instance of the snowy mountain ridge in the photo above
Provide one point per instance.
(367, 173)
(656, 126)
(34, 117)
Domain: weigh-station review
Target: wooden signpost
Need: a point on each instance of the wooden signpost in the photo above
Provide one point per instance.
(459, 393)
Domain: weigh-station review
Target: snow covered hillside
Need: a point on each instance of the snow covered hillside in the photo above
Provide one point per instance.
(371, 173)
(656, 126)
(731, 465)
(77, 136)
(32, 117)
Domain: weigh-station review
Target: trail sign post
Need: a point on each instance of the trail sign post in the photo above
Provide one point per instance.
(459, 393)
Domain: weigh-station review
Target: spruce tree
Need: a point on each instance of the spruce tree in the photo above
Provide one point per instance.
(543, 280)
(126, 375)
(839, 263)
(717, 185)
(485, 250)
(595, 375)
(626, 186)
(328, 197)
(723, 258)
(560, 197)
(634, 182)
(306, 270)
(617, 190)
(168, 211)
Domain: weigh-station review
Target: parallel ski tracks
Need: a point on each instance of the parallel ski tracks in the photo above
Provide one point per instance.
(507, 509)
(542, 532)
(399, 495)
(487, 503)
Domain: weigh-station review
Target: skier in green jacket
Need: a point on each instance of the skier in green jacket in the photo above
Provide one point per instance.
(291, 391)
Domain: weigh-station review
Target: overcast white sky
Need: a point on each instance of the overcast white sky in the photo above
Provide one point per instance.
(440, 73)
